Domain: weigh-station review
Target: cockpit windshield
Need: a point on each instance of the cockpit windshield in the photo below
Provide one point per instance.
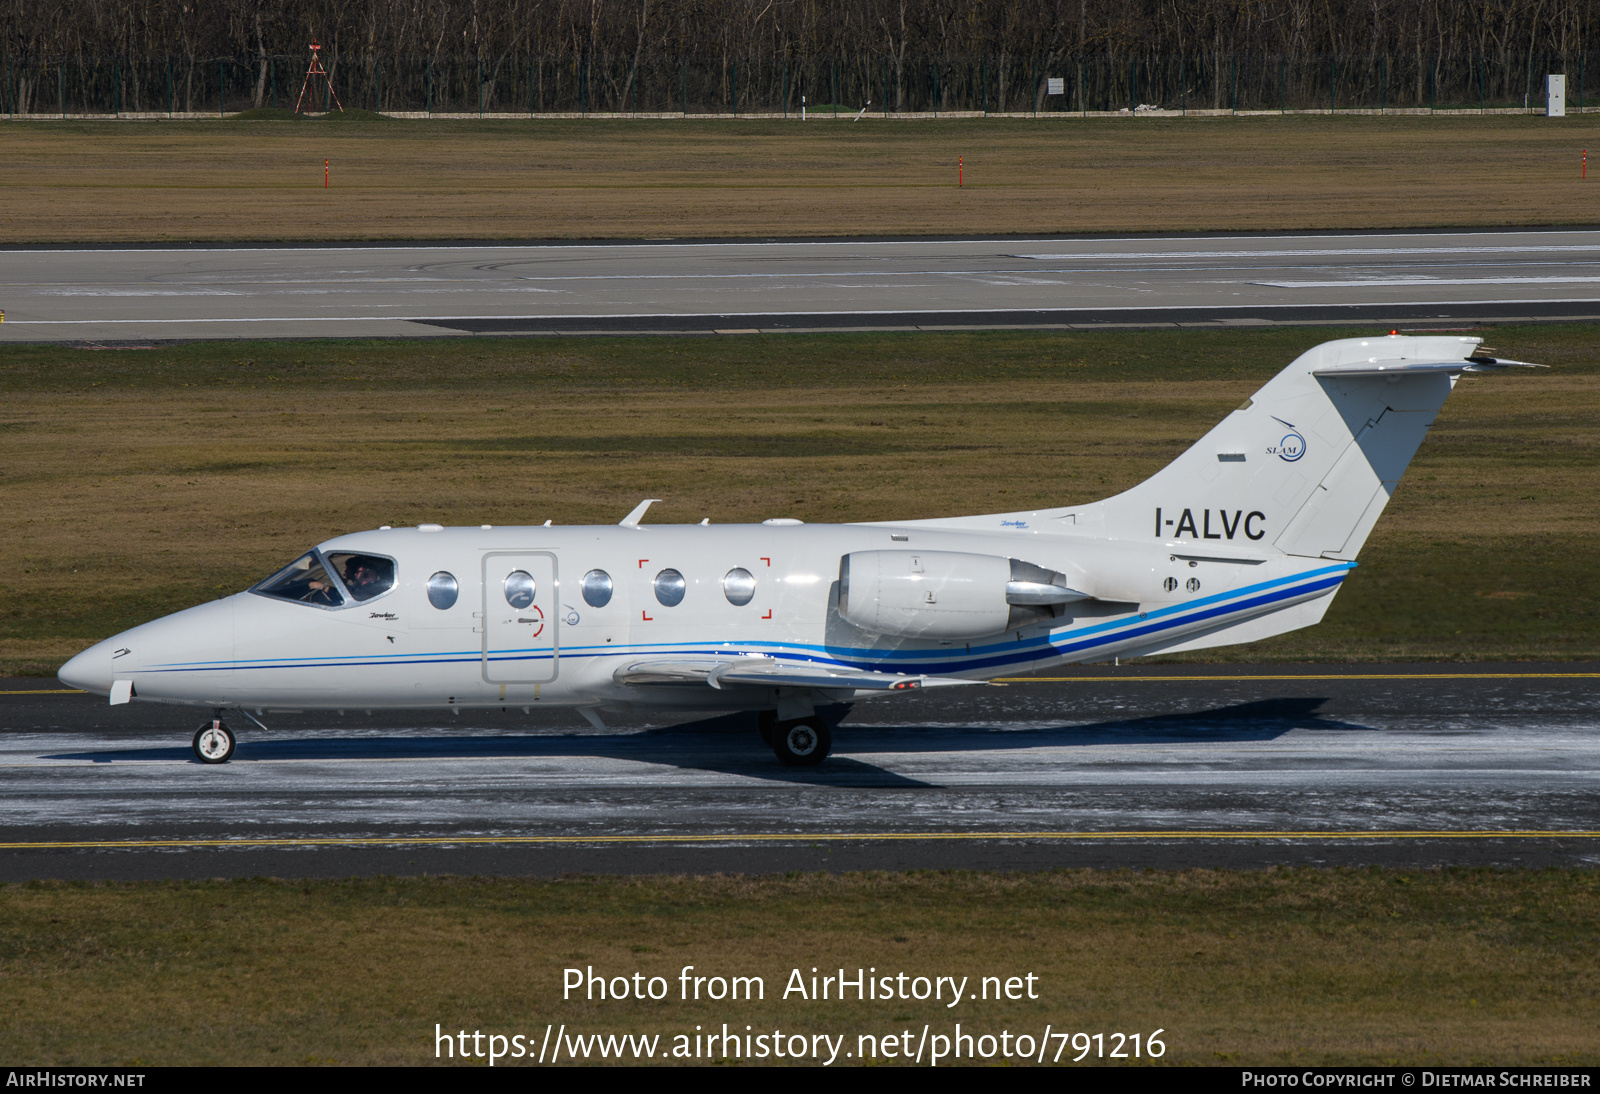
(305, 579)
(331, 582)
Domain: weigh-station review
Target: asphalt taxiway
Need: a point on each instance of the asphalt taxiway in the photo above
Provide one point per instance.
(125, 294)
(1132, 766)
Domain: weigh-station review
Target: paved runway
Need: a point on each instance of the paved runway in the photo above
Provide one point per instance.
(1162, 766)
(414, 290)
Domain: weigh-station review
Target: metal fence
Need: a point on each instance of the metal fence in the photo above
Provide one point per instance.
(600, 84)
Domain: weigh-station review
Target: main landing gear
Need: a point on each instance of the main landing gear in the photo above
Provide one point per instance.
(213, 742)
(802, 743)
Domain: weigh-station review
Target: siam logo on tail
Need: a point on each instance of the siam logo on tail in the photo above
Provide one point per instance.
(1291, 447)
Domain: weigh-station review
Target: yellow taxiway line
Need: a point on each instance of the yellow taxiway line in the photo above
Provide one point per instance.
(799, 837)
(49, 691)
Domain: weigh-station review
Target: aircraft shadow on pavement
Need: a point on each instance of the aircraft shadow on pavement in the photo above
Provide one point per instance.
(1261, 720)
(726, 745)
(729, 745)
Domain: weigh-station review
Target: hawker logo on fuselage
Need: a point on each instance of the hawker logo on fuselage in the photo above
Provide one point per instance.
(1218, 524)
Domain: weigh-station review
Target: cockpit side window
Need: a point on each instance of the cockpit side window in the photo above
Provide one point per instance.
(365, 576)
(306, 580)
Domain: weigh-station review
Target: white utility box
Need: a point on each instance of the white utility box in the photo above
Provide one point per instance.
(1555, 96)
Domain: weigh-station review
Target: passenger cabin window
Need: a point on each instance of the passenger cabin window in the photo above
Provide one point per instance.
(365, 576)
(597, 588)
(306, 580)
(739, 586)
(443, 590)
(670, 588)
(519, 588)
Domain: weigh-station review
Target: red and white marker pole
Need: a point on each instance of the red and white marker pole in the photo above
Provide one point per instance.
(960, 171)
(324, 174)
(1585, 173)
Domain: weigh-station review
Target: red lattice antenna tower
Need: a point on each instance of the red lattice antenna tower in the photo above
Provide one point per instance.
(315, 70)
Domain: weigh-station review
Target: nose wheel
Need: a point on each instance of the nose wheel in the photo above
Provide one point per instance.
(213, 743)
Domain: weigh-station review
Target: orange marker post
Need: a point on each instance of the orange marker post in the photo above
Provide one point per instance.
(960, 170)
(324, 174)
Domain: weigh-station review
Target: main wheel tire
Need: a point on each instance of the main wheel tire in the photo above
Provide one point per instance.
(805, 743)
(213, 743)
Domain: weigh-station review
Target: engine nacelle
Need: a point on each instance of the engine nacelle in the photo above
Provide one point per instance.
(946, 594)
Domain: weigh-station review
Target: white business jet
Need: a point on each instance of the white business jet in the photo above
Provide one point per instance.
(1247, 535)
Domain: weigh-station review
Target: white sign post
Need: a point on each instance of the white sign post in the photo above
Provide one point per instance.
(1555, 96)
(1055, 85)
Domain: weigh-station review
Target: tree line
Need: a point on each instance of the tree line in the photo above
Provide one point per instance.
(764, 31)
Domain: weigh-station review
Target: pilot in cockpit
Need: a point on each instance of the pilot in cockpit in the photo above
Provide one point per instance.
(365, 577)
(315, 578)
(361, 576)
(321, 592)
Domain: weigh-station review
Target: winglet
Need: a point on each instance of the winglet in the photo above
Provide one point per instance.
(632, 519)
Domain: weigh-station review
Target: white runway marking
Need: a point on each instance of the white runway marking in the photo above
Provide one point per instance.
(1320, 252)
(1423, 281)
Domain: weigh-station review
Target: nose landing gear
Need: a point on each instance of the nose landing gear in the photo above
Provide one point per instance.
(213, 742)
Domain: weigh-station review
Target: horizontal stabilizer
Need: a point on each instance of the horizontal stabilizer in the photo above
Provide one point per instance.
(767, 672)
(1393, 368)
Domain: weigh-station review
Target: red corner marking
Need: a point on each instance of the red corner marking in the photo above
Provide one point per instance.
(642, 561)
(768, 561)
(768, 615)
(647, 619)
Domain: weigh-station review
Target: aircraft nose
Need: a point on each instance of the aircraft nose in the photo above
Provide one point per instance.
(90, 670)
(193, 640)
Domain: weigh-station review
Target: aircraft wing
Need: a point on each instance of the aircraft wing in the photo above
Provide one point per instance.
(768, 672)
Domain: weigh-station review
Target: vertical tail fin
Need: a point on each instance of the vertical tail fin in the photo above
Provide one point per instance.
(1307, 464)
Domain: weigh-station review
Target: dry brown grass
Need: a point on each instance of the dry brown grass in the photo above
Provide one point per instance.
(1280, 967)
(262, 180)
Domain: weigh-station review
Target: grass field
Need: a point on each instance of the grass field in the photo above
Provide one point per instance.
(1278, 967)
(134, 483)
(391, 179)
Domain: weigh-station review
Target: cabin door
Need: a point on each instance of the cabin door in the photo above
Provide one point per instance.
(521, 598)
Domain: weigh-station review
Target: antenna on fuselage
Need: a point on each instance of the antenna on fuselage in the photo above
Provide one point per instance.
(632, 519)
